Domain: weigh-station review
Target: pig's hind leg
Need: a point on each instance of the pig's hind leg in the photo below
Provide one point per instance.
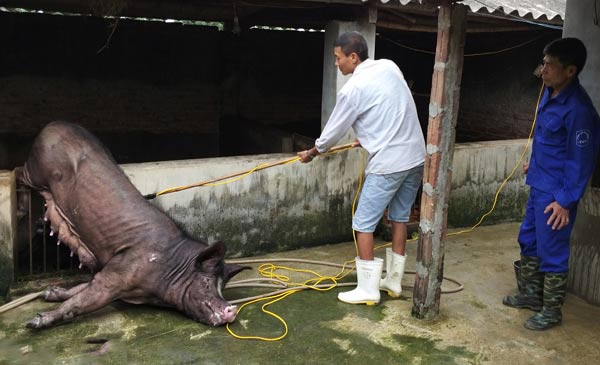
(90, 297)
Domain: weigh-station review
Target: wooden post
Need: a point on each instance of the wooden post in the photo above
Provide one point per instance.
(443, 113)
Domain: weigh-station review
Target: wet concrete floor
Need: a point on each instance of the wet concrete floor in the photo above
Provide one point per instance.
(473, 327)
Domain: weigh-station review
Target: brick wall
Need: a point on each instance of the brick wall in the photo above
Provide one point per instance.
(158, 91)
(499, 91)
(167, 91)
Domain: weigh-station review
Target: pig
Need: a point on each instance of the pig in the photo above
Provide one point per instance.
(136, 252)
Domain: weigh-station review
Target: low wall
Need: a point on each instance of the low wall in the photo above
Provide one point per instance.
(300, 205)
(295, 205)
(280, 208)
(584, 262)
(478, 171)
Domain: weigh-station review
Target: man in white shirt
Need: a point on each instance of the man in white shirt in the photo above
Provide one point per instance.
(377, 104)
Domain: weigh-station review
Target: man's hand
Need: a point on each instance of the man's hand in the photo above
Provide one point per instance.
(559, 217)
(525, 167)
(356, 143)
(308, 155)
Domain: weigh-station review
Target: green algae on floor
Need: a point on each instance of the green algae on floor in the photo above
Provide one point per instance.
(428, 353)
(151, 335)
(321, 330)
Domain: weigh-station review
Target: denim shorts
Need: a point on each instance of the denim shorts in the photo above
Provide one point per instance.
(396, 191)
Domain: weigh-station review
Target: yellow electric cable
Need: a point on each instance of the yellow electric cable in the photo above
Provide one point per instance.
(268, 270)
(227, 179)
(356, 195)
(511, 173)
(415, 237)
(275, 298)
(240, 175)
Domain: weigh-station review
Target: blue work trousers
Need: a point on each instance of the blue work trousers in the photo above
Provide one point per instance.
(538, 239)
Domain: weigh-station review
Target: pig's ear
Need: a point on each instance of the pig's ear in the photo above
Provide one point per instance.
(211, 258)
(230, 270)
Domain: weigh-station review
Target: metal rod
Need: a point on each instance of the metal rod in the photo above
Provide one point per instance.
(44, 238)
(30, 236)
(57, 255)
(16, 247)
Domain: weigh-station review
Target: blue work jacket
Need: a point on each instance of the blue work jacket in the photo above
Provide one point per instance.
(565, 144)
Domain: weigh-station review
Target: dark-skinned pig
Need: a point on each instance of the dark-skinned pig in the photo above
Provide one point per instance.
(137, 253)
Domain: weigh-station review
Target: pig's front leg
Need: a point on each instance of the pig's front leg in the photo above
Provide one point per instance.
(58, 294)
(95, 295)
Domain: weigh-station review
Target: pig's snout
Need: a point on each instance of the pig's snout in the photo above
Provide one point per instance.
(229, 313)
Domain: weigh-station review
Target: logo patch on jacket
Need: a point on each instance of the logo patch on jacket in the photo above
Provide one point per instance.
(582, 137)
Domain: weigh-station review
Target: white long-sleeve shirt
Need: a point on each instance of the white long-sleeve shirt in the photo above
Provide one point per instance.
(376, 102)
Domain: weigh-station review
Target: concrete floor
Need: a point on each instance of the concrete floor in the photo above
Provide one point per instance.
(473, 326)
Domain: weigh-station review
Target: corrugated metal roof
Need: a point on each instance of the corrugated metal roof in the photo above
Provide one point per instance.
(521, 8)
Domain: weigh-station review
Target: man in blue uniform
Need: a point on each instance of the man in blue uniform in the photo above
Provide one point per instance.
(563, 158)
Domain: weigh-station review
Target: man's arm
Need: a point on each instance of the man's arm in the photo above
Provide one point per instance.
(581, 158)
(342, 117)
(578, 167)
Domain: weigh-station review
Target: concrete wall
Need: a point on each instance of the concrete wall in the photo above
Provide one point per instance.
(7, 229)
(478, 171)
(584, 265)
(280, 208)
(297, 205)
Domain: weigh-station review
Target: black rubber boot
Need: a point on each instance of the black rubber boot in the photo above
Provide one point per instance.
(520, 283)
(533, 286)
(555, 289)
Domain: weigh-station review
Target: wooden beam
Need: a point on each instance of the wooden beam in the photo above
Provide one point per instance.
(441, 130)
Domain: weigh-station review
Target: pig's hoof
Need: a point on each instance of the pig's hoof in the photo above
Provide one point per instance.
(54, 294)
(37, 322)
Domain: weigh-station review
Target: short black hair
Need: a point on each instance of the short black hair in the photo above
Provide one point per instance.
(351, 42)
(568, 51)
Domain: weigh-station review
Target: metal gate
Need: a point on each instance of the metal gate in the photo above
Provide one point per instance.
(36, 252)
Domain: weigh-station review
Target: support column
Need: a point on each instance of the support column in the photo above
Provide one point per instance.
(443, 113)
(8, 227)
(333, 80)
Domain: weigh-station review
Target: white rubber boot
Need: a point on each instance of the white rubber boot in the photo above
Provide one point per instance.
(368, 273)
(392, 283)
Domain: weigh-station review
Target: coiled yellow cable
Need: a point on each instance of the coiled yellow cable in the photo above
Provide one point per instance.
(268, 270)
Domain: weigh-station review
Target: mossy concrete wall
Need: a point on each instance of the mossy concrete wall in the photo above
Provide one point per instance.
(280, 208)
(478, 171)
(301, 205)
(7, 229)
